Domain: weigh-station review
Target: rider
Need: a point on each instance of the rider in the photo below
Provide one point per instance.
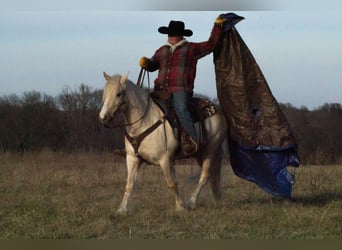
(176, 62)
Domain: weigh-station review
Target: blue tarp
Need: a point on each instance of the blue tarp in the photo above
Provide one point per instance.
(266, 168)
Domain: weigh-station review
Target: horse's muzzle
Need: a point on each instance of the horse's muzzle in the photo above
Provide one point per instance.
(111, 121)
(105, 119)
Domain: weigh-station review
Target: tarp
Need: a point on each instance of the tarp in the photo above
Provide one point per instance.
(261, 143)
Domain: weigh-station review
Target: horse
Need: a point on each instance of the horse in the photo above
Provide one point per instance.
(160, 145)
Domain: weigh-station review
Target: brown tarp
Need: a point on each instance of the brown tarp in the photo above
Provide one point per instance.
(261, 143)
(254, 117)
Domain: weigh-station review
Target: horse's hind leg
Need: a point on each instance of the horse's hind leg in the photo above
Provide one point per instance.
(206, 164)
(170, 177)
(133, 164)
(211, 170)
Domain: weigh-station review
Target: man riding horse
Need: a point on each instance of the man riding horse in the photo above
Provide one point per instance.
(176, 62)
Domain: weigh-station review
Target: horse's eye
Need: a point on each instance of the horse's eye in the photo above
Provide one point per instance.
(119, 94)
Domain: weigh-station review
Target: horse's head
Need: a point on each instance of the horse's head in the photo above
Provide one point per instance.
(113, 98)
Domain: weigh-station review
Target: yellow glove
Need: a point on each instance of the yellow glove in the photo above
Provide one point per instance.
(143, 62)
(220, 20)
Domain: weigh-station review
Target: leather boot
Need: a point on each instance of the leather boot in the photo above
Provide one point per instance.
(189, 145)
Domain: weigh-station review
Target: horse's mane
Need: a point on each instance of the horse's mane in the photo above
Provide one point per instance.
(116, 78)
(137, 96)
(140, 94)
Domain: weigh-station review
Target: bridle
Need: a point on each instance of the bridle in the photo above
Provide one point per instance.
(140, 83)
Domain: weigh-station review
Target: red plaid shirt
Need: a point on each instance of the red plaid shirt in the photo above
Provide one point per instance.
(177, 70)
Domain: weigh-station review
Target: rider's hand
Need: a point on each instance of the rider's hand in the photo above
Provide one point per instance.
(220, 20)
(143, 62)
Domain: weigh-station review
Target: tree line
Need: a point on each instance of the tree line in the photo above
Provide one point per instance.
(69, 122)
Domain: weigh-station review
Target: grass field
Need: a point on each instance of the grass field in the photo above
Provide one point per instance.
(50, 195)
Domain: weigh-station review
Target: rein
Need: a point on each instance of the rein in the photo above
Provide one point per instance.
(141, 78)
(140, 83)
(136, 141)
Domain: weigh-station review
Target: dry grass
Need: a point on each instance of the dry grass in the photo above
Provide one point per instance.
(49, 195)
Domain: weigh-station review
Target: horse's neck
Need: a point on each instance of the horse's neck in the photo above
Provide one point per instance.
(141, 111)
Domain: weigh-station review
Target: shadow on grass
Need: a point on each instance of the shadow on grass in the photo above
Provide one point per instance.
(318, 199)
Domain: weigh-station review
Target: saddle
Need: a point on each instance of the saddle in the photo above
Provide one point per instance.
(200, 110)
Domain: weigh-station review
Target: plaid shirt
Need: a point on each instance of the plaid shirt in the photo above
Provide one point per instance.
(177, 69)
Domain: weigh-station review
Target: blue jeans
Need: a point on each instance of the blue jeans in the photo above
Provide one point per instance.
(180, 102)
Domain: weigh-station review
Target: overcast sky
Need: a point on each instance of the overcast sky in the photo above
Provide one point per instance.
(46, 48)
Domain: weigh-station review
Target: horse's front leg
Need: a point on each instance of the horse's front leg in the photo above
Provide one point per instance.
(133, 164)
(170, 176)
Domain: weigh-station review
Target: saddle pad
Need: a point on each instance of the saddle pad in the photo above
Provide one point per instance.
(202, 109)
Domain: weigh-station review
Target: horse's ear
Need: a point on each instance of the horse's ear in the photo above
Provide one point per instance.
(123, 79)
(106, 76)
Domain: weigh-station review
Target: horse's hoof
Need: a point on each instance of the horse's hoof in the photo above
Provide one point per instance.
(191, 205)
(180, 209)
(121, 212)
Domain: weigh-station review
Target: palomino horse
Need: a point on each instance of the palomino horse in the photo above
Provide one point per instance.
(160, 145)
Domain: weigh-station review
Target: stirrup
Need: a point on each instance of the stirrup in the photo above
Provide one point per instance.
(190, 146)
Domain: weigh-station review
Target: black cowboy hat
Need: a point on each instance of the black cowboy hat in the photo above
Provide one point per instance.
(175, 28)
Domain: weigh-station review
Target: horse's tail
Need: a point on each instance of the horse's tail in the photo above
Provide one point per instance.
(215, 174)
